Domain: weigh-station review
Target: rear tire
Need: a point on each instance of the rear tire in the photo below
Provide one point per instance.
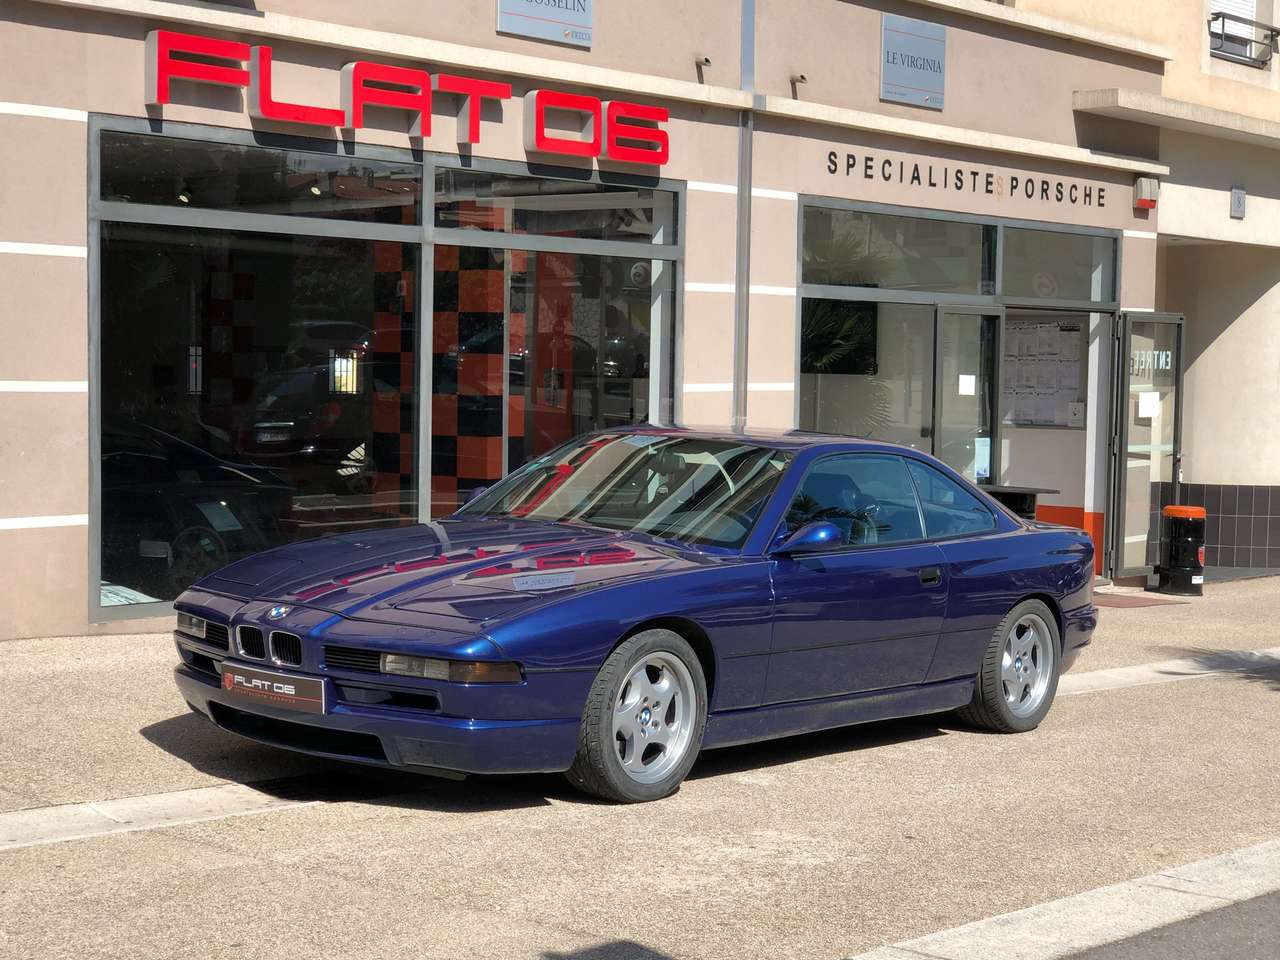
(1019, 675)
(644, 720)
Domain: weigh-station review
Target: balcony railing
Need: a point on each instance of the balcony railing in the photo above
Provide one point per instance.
(1242, 40)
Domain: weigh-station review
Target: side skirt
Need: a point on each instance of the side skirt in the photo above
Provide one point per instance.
(808, 716)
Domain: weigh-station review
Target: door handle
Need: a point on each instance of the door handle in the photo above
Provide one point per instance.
(930, 576)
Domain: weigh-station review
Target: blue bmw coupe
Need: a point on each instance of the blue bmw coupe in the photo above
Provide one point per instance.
(636, 596)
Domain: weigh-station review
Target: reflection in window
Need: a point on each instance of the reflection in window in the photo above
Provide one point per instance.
(303, 423)
(869, 498)
(171, 171)
(532, 349)
(850, 248)
(343, 371)
(1050, 265)
(949, 509)
(685, 488)
(866, 370)
(476, 200)
(195, 370)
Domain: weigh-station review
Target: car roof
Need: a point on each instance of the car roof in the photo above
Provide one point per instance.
(765, 437)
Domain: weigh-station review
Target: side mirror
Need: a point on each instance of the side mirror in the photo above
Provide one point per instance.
(811, 538)
(477, 493)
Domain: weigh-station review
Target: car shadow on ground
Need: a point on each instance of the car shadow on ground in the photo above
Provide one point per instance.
(1242, 665)
(292, 776)
(771, 753)
(613, 950)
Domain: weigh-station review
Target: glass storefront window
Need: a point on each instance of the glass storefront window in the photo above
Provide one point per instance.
(852, 248)
(175, 172)
(866, 369)
(1050, 265)
(255, 388)
(505, 203)
(259, 382)
(532, 349)
(966, 392)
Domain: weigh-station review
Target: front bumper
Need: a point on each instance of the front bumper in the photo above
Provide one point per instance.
(379, 735)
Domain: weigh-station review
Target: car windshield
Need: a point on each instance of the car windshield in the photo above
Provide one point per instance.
(703, 491)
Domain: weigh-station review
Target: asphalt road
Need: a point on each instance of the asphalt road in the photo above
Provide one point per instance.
(1242, 931)
(821, 846)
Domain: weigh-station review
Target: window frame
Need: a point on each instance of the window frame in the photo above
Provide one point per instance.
(665, 335)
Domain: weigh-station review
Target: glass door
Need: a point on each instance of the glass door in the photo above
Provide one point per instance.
(1145, 437)
(965, 390)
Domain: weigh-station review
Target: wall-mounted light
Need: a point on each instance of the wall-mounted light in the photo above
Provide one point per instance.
(796, 80)
(699, 64)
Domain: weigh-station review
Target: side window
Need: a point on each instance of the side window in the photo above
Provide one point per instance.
(949, 509)
(870, 498)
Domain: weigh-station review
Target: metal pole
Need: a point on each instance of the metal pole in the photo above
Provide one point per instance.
(742, 271)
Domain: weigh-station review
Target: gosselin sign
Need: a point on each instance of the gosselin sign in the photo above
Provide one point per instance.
(611, 129)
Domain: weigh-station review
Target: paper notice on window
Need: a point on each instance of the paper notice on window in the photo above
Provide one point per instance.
(982, 457)
(1045, 401)
(1024, 406)
(1027, 374)
(1069, 343)
(1062, 407)
(968, 385)
(1047, 345)
(1046, 375)
(1069, 374)
(1025, 340)
(1149, 404)
(1075, 414)
(1008, 402)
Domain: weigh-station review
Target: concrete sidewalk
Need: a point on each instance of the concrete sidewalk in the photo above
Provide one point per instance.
(822, 846)
(1239, 615)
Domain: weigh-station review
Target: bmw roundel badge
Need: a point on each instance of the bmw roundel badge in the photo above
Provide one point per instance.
(278, 612)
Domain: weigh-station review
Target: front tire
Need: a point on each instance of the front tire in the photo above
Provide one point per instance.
(644, 720)
(1019, 676)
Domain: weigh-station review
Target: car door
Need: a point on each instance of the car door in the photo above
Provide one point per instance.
(981, 587)
(866, 615)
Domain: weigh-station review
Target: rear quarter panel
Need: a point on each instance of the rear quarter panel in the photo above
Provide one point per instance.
(990, 575)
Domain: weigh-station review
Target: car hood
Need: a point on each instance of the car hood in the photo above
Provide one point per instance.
(456, 575)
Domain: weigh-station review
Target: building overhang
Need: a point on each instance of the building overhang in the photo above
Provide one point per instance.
(1154, 110)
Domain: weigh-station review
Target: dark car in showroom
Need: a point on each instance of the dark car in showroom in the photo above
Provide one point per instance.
(172, 512)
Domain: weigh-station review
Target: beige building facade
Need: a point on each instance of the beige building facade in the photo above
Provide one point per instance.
(277, 269)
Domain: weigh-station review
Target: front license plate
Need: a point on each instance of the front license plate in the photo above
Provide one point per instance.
(273, 436)
(304, 694)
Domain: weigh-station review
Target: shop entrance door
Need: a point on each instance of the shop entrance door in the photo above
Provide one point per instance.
(965, 390)
(1146, 433)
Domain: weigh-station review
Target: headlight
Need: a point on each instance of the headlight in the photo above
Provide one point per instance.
(190, 625)
(455, 671)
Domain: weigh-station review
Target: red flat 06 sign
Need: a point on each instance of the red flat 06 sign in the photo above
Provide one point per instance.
(615, 130)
